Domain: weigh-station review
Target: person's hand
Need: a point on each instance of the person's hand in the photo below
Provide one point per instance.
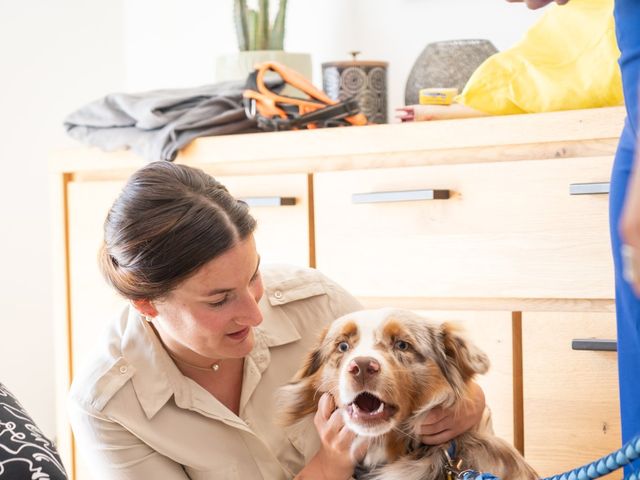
(630, 229)
(534, 4)
(335, 458)
(444, 424)
(421, 113)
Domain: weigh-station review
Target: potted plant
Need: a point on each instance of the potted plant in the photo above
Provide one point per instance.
(254, 29)
(260, 30)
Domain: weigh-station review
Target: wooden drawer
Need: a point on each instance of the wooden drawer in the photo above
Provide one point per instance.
(93, 303)
(280, 204)
(492, 333)
(571, 411)
(508, 230)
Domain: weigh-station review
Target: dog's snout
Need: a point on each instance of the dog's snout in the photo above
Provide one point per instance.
(363, 367)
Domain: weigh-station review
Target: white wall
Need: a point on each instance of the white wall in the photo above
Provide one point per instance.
(56, 55)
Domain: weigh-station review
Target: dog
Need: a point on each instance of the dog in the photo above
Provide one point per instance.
(386, 370)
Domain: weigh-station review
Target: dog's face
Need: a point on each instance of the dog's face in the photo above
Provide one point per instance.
(385, 369)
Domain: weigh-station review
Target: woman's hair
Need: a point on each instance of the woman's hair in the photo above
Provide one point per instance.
(168, 221)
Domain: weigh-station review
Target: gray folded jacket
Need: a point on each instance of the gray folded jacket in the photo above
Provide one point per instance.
(156, 124)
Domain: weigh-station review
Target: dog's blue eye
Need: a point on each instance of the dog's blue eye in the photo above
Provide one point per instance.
(402, 345)
(343, 347)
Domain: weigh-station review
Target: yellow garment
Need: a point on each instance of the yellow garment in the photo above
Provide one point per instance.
(567, 60)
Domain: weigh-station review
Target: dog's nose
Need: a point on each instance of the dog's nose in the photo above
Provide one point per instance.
(363, 367)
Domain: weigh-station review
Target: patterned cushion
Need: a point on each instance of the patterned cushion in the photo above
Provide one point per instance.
(25, 453)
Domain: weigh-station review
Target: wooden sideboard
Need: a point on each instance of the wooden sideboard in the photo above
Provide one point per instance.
(499, 223)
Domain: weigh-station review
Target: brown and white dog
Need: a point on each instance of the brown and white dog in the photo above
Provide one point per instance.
(386, 369)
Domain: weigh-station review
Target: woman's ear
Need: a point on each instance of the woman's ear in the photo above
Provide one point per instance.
(145, 308)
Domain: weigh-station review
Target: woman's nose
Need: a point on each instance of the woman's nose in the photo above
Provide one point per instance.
(251, 314)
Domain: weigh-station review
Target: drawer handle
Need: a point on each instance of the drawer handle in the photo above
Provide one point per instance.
(402, 196)
(268, 201)
(594, 344)
(596, 188)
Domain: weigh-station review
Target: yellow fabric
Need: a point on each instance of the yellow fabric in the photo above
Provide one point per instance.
(567, 60)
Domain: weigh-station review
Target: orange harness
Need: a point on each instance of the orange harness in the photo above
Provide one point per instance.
(278, 112)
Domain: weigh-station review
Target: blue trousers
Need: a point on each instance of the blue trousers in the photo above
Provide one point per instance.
(627, 18)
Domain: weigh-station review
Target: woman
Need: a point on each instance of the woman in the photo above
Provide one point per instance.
(184, 385)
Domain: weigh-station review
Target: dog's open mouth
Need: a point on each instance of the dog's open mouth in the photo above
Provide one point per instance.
(366, 407)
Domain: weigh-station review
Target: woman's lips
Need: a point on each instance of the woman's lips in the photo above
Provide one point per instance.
(240, 334)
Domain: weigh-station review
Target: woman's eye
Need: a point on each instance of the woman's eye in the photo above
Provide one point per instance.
(343, 347)
(401, 345)
(219, 303)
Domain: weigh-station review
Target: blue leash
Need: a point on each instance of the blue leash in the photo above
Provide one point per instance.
(607, 464)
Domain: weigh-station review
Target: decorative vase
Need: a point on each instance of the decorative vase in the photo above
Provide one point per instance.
(447, 64)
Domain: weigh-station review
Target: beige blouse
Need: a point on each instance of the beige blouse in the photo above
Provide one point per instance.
(135, 416)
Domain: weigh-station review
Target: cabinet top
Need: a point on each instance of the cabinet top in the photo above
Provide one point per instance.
(589, 132)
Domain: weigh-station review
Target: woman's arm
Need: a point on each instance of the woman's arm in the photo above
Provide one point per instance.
(110, 452)
(630, 225)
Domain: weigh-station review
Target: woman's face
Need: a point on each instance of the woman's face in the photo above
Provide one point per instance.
(211, 315)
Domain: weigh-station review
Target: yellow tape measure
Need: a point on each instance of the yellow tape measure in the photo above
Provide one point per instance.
(437, 96)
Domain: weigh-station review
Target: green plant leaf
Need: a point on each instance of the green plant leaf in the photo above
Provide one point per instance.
(240, 21)
(262, 33)
(254, 28)
(276, 39)
(252, 23)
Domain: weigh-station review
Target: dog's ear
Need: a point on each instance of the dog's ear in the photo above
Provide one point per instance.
(313, 362)
(300, 397)
(459, 359)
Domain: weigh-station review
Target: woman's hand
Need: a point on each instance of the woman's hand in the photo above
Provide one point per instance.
(444, 424)
(630, 229)
(335, 460)
(534, 4)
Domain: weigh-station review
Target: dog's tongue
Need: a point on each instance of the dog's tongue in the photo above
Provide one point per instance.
(367, 402)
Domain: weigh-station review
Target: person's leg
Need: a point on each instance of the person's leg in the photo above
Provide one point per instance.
(627, 16)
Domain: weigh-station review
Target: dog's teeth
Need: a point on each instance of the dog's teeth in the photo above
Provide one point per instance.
(380, 408)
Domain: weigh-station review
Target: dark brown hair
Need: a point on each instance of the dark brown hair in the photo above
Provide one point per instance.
(168, 221)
